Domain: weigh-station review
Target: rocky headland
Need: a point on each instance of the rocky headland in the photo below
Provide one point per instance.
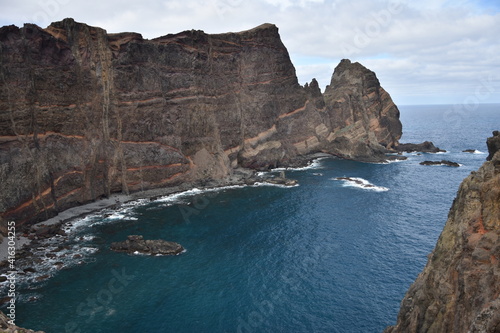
(85, 114)
(459, 288)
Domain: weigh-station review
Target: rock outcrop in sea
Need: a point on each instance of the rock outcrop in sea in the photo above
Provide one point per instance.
(136, 244)
(84, 113)
(459, 288)
(442, 162)
(424, 147)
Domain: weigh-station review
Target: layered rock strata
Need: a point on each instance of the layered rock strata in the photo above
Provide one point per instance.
(459, 288)
(84, 113)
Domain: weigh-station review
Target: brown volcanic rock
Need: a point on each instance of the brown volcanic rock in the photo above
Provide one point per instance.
(363, 116)
(493, 144)
(458, 290)
(84, 114)
(424, 147)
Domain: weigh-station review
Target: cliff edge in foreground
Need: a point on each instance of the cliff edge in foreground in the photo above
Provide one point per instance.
(84, 113)
(459, 288)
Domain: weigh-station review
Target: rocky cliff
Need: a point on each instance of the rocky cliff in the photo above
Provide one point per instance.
(84, 113)
(459, 289)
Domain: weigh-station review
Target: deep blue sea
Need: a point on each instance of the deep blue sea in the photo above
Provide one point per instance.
(324, 256)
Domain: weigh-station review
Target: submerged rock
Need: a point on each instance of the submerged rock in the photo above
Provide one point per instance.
(137, 244)
(442, 162)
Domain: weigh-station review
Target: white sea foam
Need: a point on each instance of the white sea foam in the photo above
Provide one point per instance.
(178, 198)
(77, 224)
(360, 183)
(50, 260)
(90, 250)
(395, 161)
(315, 164)
(116, 216)
(257, 184)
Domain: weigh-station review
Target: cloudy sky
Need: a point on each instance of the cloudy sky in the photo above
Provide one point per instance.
(424, 52)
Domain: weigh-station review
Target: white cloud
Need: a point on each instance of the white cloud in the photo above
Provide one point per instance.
(430, 50)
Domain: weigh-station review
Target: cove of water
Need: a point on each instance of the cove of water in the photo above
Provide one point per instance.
(325, 256)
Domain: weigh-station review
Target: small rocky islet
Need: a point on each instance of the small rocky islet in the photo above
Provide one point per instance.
(136, 244)
(442, 162)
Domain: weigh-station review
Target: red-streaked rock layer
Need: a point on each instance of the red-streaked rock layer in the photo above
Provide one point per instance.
(84, 113)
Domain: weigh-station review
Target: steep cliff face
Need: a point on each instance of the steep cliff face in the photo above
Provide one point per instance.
(362, 114)
(84, 114)
(459, 289)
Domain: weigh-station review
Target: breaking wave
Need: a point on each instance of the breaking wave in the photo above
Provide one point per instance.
(360, 183)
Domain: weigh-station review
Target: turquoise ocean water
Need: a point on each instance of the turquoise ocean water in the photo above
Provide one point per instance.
(324, 256)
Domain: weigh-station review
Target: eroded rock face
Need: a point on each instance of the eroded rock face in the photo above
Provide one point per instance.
(363, 118)
(458, 290)
(84, 114)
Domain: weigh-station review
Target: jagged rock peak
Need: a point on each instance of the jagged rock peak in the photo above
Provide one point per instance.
(493, 144)
(353, 74)
(356, 89)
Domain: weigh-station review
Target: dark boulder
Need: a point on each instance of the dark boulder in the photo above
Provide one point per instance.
(137, 244)
(443, 162)
(424, 147)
